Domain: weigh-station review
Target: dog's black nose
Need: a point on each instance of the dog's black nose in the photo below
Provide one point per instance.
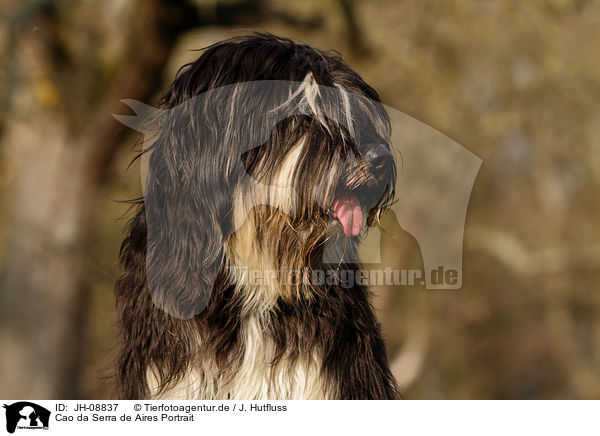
(379, 159)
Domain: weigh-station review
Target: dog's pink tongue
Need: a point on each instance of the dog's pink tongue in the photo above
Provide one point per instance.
(347, 209)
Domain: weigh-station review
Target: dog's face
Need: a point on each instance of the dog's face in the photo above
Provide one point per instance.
(264, 177)
(319, 185)
(323, 187)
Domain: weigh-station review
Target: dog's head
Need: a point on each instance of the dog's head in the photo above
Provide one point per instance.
(270, 155)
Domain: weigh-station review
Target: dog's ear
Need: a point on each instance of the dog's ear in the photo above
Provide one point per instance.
(193, 169)
(188, 214)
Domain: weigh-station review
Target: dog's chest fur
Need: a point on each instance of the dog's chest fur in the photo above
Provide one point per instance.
(255, 375)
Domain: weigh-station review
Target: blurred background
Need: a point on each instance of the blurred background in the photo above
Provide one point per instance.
(516, 83)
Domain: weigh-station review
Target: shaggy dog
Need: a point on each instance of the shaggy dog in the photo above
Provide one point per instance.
(270, 156)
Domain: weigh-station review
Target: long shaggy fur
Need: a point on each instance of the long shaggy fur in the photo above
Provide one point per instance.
(211, 332)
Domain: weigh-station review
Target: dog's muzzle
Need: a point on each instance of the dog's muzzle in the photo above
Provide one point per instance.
(351, 204)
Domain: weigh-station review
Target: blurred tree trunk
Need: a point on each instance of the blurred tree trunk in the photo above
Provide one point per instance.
(42, 298)
(354, 34)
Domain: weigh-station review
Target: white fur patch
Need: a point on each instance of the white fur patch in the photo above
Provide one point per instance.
(255, 379)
